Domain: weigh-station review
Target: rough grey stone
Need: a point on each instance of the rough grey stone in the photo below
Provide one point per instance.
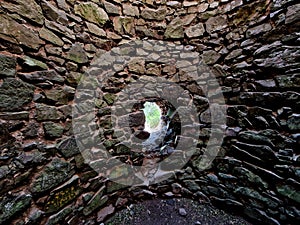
(4, 170)
(59, 95)
(24, 115)
(30, 62)
(254, 137)
(42, 76)
(94, 29)
(105, 212)
(174, 29)
(281, 59)
(68, 147)
(195, 31)
(29, 9)
(16, 33)
(137, 119)
(31, 131)
(130, 10)
(154, 14)
(53, 174)
(270, 83)
(14, 94)
(231, 5)
(255, 195)
(234, 54)
(216, 23)
(279, 140)
(54, 14)
(258, 30)
(210, 57)
(77, 54)
(137, 66)
(192, 185)
(7, 66)
(277, 4)
(264, 152)
(213, 178)
(50, 36)
(266, 49)
(293, 14)
(243, 173)
(113, 186)
(128, 25)
(227, 202)
(63, 5)
(31, 158)
(52, 130)
(59, 28)
(45, 112)
(111, 8)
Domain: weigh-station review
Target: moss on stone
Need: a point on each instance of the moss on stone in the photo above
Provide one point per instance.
(91, 12)
(109, 98)
(289, 191)
(11, 207)
(34, 63)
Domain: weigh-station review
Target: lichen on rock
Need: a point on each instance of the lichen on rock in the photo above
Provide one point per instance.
(91, 12)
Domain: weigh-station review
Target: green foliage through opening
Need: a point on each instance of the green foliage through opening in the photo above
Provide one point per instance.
(153, 115)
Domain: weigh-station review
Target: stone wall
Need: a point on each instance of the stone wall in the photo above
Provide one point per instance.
(46, 47)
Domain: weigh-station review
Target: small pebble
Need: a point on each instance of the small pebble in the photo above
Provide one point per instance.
(182, 212)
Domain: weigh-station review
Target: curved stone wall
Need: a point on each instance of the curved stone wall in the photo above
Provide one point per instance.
(46, 48)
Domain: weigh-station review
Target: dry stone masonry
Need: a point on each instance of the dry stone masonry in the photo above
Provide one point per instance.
(48, 46)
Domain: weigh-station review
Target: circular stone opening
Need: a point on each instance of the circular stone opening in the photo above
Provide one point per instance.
(153, 115)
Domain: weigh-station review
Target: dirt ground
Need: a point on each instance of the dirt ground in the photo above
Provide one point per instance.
(173, 212)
